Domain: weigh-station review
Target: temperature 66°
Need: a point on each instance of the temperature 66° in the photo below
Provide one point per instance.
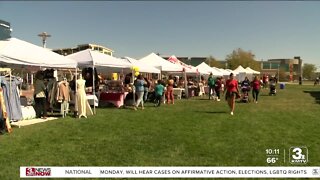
(272, 160)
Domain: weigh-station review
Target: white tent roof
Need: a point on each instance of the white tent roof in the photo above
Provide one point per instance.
(252, 71)
(142, 67)
(230, 71)
(89, 57)
(157, 61)
(240, 69)
(221, 71)
(203, 67)
(224, 72)
(189, 69)
(19, 52)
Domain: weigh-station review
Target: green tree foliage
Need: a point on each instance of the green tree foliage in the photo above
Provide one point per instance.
(282, 75)
(309, 71)
(243, 58)
(212, 62)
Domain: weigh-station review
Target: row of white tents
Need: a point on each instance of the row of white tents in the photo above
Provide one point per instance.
(18, 53)
(15, 52)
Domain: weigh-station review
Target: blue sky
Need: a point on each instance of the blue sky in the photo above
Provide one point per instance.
(269, 29)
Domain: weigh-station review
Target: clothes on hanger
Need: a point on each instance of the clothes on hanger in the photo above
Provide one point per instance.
(4, 121)
(63, 96)
(12, 98)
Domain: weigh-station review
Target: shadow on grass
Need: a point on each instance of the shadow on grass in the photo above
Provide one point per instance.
(265, 95)
(212, 112)
(202, 99)
(315, 95)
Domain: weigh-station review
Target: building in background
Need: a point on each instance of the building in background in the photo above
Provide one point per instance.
(67, 51)
(292, 68)
(5, 30)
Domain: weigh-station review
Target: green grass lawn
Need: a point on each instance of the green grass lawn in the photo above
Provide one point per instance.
(194, 132)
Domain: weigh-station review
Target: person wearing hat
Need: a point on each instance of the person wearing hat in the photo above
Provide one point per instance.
(211, 85)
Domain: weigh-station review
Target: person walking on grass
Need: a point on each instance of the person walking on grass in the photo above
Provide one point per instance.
(169, 92)
(232, 92)
(139, 85)
(146, 89)
(256, 85)
(159, 91)
(217, 88)
(211, 85)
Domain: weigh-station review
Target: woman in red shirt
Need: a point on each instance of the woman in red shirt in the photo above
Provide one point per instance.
(256, 84)
(232, 92)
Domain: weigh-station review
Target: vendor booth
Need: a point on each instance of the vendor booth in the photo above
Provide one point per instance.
(107, 64)
(18, 53)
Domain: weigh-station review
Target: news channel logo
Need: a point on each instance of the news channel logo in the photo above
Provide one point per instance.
(31, 171)
(298, 155)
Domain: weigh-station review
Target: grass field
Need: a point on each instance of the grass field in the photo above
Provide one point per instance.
(194, 132)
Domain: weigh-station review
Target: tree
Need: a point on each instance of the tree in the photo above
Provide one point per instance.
(282, 75)
(243, 58)
(212, 62)
(309, 71)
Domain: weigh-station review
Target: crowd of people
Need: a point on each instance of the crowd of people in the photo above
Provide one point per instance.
(161, 91)
(146, 89)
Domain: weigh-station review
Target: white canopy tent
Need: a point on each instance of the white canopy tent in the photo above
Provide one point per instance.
(231, 71)
(224, 72)
(204, 67)
(253, 71)
(240, 69)
(142, 66)
(243, 73)
(188, 68)
(14, 51)
(18, 53)
(95, 59)
(158, 62)
(88, 58)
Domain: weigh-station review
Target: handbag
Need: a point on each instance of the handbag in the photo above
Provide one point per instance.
(41, 94)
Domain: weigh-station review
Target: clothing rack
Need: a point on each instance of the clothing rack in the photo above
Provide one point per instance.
(8, 70)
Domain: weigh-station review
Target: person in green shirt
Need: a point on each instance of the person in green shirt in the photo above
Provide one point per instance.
(159, 91)
(211, 84)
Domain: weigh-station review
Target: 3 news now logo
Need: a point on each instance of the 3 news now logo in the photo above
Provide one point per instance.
(38, 171)
(298, 155)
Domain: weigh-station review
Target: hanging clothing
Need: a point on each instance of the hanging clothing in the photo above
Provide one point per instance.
(82, 104)
(12, 98)
(64, 108)
(53, 95)
(51, 89)
(63, 97)
(64, 91)
(4, 121)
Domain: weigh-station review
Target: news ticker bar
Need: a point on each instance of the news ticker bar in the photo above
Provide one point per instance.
(169, 172)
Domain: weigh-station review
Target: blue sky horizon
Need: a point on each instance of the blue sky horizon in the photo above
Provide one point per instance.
(269, 29)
